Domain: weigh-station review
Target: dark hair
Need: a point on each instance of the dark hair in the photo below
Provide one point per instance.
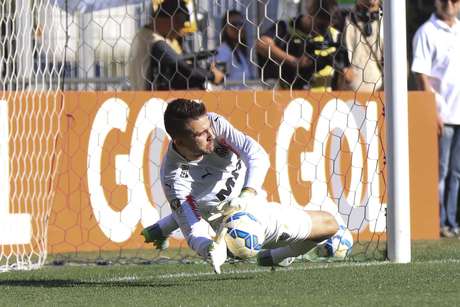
(169, 8)
(224, 36)
(178, 112)
(323, 9)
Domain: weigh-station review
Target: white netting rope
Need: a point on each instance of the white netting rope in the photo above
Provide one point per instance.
(86, 45)
(31, 107)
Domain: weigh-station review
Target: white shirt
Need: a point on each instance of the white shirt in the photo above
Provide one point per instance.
(437, 55)
(195, 188)
(139, 56)
(367, 74)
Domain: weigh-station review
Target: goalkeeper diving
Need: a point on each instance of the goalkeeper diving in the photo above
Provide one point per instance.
(212, 170)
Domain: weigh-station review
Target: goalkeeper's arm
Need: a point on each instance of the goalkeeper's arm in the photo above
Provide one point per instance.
(199, 235)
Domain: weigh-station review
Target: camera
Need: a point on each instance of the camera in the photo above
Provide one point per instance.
(200, 59)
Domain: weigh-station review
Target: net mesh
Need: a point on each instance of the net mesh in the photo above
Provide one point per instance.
(30, 111)
(86, 195)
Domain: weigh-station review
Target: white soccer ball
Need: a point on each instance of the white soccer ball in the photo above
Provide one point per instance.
(339, 245)
(245, 234)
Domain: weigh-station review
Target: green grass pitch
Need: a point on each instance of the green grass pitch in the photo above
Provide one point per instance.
(432, 279)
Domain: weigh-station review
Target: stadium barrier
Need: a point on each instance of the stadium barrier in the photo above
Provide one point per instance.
(326, 150)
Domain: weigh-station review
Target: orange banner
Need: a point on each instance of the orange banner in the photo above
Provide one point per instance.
(326, 150)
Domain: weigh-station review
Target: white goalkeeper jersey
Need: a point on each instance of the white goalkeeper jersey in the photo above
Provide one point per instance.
(195, 188)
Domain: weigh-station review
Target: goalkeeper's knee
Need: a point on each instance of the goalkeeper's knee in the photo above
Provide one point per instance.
(323, 225)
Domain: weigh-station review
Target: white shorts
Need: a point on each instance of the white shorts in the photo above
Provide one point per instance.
(284, 225)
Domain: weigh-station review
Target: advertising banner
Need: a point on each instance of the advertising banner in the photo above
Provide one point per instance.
(327, 152)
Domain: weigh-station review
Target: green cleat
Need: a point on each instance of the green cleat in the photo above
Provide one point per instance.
(318, 253)
(153, 234)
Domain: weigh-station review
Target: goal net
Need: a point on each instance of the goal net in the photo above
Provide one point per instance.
(31, 106)
(82, 138)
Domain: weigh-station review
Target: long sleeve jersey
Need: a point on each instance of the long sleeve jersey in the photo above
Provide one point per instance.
(195, 188)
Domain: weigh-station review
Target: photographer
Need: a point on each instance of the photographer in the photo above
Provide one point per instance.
(306, 48)
(363, 38)
(156, 58)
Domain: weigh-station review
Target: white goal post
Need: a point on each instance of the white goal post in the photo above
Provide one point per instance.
(396, 106)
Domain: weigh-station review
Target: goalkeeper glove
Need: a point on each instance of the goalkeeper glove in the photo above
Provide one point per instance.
(239, 203)
(217, 250)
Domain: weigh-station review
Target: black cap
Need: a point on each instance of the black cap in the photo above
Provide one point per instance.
(169, 8)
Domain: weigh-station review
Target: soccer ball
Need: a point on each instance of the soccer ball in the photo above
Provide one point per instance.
(245, 234)
(339, 245)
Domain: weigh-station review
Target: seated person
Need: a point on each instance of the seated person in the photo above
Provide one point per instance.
(156, 60)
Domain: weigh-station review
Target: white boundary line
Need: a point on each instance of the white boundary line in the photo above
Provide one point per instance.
(267, 269)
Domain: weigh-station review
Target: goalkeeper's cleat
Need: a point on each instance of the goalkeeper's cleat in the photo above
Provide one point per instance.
(317, 253)
(153, 234)
(286, 262)
(337, 247)
(264, 258)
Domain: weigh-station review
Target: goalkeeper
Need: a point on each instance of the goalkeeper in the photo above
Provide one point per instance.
(212, 169)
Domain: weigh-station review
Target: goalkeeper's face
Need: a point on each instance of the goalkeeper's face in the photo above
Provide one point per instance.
(200, 139)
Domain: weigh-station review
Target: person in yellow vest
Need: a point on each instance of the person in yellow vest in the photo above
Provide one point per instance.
(156, 59)
(302, 53)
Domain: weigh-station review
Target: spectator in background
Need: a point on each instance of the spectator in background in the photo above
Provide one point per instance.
(301, 53)
(362, 36)
(156, 61)
(436, 60)
(234, 52)
(139, 54)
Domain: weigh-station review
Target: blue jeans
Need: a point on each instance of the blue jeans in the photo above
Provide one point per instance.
(449, 174)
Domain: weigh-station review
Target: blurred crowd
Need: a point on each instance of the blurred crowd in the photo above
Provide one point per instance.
(324, 49)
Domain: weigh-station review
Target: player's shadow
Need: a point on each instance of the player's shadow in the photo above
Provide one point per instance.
(155, 283)
(64, 283)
